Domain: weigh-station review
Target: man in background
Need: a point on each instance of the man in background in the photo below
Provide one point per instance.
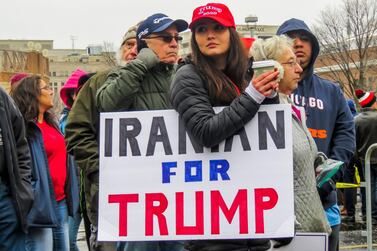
(329, 119)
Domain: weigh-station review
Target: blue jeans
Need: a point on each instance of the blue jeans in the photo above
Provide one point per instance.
(60, 233)
(11, 235)
(39, 239)
(152, 245)
(73, 228)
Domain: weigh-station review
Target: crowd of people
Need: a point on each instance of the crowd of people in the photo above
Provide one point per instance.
(49, 168)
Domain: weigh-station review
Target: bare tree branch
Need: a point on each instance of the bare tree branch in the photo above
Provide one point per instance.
(108, 53)
(348, 39)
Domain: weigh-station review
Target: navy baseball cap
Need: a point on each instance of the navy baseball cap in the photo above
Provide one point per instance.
(157, 23)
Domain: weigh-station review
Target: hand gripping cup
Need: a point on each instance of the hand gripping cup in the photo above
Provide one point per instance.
(261, 67)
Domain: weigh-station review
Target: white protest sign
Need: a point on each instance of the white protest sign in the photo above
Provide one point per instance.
(307, 242)
(158, 184)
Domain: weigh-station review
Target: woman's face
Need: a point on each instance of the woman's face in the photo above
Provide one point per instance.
(213, 39)
(292, 71)
(45, 96)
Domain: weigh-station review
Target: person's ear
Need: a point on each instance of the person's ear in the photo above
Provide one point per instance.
(279, 68)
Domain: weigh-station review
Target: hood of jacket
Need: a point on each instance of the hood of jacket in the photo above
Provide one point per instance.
(71, 83)
(294, 24)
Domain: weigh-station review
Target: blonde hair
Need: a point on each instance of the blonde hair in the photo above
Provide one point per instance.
(270, 48)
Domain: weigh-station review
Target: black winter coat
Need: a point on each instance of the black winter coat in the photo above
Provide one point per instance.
(190, 97)
(17, 157)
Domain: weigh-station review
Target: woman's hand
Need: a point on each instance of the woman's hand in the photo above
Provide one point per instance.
(266, 83)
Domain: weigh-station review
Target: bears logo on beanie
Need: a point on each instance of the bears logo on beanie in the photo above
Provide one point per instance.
(366, 99)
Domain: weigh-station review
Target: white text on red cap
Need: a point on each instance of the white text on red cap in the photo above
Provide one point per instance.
(205, 10)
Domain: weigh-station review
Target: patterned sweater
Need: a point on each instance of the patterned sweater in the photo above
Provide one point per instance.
(310, 215)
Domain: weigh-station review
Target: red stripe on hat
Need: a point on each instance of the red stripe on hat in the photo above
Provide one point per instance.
(366, 99)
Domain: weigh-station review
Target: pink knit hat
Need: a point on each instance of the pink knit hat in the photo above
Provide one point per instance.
(71, 84)
(18, 77)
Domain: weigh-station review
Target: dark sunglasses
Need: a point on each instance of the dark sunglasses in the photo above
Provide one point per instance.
(167, 38)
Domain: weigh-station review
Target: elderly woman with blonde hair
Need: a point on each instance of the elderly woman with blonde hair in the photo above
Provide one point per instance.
(310, 216)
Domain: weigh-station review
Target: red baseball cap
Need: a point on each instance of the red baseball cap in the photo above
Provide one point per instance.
(216, 11)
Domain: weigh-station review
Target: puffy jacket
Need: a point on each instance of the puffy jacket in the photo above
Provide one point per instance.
(328, 117)
(189, 96)
(17, 157)
(134, 87)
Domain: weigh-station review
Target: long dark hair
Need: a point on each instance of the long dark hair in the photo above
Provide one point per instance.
(25, 96)
(219, 86)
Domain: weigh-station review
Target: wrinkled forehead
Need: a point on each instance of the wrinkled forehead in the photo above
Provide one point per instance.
(287, 53)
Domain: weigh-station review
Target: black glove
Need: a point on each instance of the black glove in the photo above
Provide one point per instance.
(326, 188)
(280, 242)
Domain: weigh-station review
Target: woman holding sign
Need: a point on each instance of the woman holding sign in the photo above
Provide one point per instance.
(310, 216)
(218, 76)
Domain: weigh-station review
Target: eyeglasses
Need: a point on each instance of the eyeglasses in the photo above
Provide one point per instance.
(46, 87)
(167, 38)
(292, 63)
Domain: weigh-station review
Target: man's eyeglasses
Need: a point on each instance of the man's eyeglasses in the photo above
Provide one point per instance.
(167, 38)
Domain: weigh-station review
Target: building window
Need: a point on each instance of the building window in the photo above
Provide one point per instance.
(54, 73)
(97, 60)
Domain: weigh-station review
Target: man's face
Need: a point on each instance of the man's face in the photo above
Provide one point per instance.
(165, 44)
(129, 50)
(302, 47)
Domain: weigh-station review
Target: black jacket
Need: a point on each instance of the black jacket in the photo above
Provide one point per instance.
(366, 133)
(189, 96)
(17, 157)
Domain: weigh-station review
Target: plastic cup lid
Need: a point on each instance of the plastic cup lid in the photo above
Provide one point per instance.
(265, 63)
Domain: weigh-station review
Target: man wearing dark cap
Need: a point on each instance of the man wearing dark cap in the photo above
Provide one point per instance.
(157, 43)
(366, 135)
(144, 84)
(329, 119)
(82, 134)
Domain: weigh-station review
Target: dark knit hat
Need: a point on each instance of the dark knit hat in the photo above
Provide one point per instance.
(366, 99)
(130, 33)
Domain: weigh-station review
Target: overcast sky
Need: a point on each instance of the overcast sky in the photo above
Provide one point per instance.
(95, 21)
